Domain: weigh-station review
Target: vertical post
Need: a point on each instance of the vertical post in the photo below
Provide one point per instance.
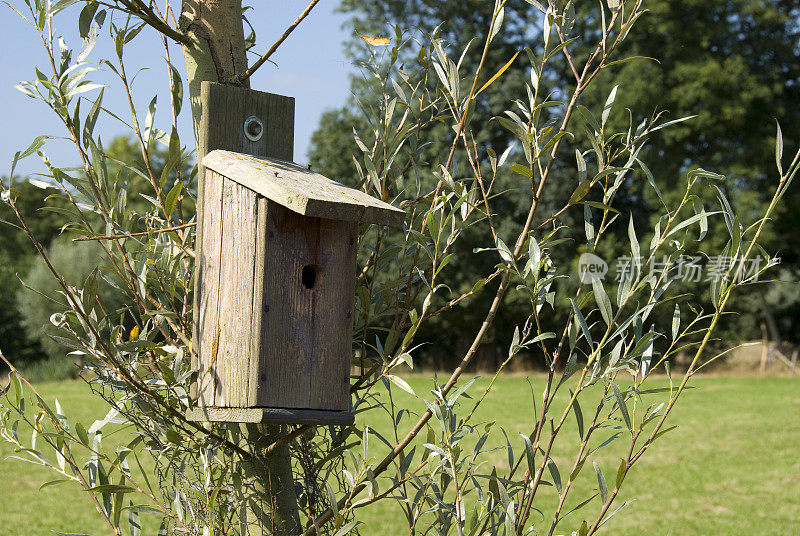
(260, 124)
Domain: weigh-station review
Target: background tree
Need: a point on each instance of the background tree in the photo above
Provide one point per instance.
(41, 298)
(17, 255)
(250, 478)
(25, 326)
(457, 24)
(735, 65)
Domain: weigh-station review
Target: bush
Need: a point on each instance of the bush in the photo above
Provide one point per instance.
(42, 297)
(602, 342)
(14, 339)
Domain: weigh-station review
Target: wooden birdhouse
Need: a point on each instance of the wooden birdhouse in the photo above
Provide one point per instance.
(275, 290)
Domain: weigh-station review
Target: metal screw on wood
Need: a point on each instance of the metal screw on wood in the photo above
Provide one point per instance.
(253, 128)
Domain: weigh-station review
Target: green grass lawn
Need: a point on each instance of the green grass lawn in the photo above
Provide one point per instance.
(732, 467)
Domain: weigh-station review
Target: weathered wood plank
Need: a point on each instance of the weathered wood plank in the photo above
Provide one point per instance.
(333, 313)
(206, 284)
(306, 332)
(255, 375)
(270, 415)
(237, 263)
(288, 323)
(301, 190)
(224, 110)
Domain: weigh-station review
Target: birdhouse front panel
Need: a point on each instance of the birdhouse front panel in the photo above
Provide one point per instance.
(276, 270)
(307, 311)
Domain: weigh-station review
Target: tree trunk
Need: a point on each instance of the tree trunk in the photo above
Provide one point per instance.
(217, 54)
(273, 508)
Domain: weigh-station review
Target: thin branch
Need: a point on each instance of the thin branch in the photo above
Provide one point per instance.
(144, 12)
(253, 68)
(143, 233)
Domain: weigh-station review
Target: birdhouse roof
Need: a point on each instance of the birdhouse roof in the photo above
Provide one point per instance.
(302, 190)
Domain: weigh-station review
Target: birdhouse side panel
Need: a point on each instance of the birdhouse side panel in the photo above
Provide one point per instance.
(333, 344)
(238, 255)
(306, 326)
(227, 285)
(208, 280)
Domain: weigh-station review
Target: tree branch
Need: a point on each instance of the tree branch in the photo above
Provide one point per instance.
(249, 72)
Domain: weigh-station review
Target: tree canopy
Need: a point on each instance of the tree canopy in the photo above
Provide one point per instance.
(733, 66)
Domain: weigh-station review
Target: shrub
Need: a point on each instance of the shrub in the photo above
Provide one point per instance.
(226, 478)
(42, 297)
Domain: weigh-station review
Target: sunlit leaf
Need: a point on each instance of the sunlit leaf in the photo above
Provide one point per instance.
(401, 383)
(498, 73)
(376, 41)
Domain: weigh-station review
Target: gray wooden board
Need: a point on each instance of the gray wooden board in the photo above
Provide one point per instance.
(207, 281)
(270, 415)
(236, 295)
(302, 190)
(258, 299)
(223, 112)
(306, 334)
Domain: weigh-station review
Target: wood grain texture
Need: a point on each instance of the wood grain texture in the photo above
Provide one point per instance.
(270, 415)
(302, 190)
(224, 110)
(207, 281)
(306, 333)
(236, 295)
(258, 300)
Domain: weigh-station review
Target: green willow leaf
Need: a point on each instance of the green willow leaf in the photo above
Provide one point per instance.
(555, 474)
(580, 192)
(601, 483)
(581, 166)
(676, 322)
(112, 488)
(621, 472)
(522, 170)
(401, 383)
(609, 102)
(582, 322)
(603, 302)
(576, 407)
(623, 408)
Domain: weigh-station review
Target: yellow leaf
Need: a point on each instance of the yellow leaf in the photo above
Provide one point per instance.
(134, 333)
(497, 75)
(377, 41)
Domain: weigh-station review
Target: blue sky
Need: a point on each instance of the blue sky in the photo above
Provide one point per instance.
(310, 67)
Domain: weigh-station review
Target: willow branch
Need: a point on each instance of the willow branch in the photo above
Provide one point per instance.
(130, 235)
(253, 68)
(143, 11)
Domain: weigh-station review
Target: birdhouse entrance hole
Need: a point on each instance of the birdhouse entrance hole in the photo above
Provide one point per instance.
(309, 276)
